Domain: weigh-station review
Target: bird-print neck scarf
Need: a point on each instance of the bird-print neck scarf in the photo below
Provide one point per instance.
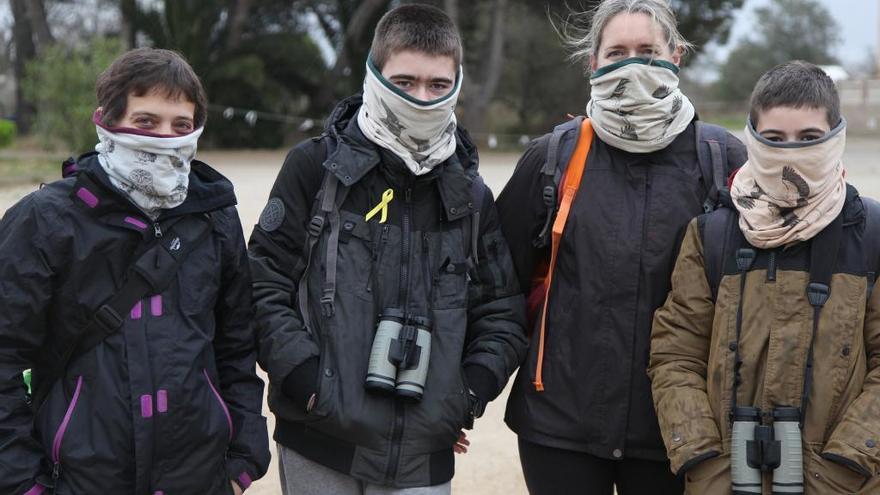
(421, 133)
(636, 105)
(151, 170)
(788, 192)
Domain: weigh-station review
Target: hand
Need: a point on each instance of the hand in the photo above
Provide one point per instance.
(462, 444)
(235, 488)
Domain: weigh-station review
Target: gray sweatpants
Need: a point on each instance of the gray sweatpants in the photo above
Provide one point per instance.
(300, 476)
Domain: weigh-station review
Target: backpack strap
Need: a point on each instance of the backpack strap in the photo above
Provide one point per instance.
(872, 247)
(478, 193)
(151, 273)
(570, 186)
(720, 240)
(711, 141)
(551, 175)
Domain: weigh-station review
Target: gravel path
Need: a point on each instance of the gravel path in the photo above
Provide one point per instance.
(492, 465)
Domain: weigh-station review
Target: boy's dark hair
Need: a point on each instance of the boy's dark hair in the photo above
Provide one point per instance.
(143, 70)
(796, 84)
(421, 28)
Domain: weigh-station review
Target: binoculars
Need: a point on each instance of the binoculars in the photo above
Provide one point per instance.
(757, 448)
(400, 355)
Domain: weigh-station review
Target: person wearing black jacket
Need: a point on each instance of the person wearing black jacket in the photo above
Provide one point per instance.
(581, 404)
(168, 400)
(382, 224)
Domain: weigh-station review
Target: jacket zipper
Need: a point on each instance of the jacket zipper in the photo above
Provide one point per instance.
(399, 407)
(222, 403)
(62, 429)
(157, 230)
(771, 266)
(377, 258)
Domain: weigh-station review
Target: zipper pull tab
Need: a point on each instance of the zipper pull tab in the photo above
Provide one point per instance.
(408, 194)
(56, 471)
(157, 230)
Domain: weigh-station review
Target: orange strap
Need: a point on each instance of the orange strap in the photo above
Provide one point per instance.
(571, 182)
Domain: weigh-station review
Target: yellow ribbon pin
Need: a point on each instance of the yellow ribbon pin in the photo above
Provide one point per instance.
(382, 207)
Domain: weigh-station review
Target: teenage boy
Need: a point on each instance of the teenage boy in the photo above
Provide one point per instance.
(125, 287)
(387, 312)
(770, 338)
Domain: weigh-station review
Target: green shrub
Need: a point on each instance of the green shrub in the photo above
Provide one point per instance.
(7, 132)
(61, 82)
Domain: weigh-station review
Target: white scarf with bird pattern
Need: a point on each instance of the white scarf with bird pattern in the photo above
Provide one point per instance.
(636, 106)
(788, 192)
(421, 133)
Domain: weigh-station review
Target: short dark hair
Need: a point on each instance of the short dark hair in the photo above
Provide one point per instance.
(421, 28)
(143, 70)
(796, 84)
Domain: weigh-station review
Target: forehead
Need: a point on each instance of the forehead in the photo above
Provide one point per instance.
(159, 102)
(419, 64)
(632, 29)
(791, 118)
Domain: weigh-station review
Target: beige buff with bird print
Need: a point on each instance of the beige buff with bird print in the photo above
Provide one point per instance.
(421, 133)
(789, 192)
(636, 106)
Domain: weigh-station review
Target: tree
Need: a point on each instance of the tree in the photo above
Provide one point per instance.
(252, 55)
(25, 51)
(61, 82)
(785, 30)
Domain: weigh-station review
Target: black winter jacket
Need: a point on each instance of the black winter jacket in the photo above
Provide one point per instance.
(170, 403)
(416, 260)
(613, 271)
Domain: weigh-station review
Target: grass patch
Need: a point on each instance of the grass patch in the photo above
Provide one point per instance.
(18, 170)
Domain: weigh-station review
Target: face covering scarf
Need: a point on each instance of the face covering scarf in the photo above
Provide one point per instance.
(421, 133)
(152, 170)
(636, 105)
(788, 192)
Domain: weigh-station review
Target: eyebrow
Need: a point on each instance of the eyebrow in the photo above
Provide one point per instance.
(408, 77)
(155, 116)
(812, 129)
(642, 45)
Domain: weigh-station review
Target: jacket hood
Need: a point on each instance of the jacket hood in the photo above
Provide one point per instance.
(208, 189)
(355, 155)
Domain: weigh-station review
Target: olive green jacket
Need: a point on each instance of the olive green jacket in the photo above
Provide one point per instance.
(692, 355)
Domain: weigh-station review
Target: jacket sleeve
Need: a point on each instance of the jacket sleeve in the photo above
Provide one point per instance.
(26, 287)
(277, 257)
(496, 342)
(855, 442)
(235, 354)
(522, 213)
(680, 343)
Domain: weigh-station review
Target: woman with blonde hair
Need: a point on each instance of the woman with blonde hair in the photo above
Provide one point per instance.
(594, 215)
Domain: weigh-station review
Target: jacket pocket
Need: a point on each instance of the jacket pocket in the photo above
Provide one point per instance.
(58, 439)
(709, 476)
(823, 476)
(221, 402)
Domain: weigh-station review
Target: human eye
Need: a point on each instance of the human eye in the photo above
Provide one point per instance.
(403, 84)
(183, 126)
(650, 52)
(144, 122)
(811, 137)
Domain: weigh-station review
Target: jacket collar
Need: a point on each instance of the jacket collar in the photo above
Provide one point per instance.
(354, 156)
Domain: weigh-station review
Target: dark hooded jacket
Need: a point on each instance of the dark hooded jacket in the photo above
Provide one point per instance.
(416, 260)
(613, 271)
(171, 402)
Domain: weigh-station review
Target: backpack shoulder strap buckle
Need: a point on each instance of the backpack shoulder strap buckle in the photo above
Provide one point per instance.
(108, 319)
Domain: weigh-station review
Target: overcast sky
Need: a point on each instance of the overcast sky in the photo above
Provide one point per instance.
(858, 20)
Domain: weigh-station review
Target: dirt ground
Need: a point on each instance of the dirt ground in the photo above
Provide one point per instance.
(492, 465)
